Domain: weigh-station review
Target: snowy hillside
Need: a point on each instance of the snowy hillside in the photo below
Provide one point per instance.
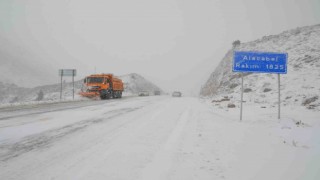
(134, 83)
(11, 93)
(300, 86)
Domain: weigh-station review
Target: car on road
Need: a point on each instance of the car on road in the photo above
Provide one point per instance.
(143, 93)
(157, 93)
(176, 94)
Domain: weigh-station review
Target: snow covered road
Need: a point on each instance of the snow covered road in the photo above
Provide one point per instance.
(148, 138)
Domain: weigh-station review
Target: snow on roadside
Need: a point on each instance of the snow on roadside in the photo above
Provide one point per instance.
(263, 147)
(171, 138)
(16, 104)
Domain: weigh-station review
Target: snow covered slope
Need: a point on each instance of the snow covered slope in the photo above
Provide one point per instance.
(134, 83)
(11, 93)
(301, 86)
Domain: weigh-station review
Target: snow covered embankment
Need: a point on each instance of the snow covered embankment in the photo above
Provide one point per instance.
(299, 87)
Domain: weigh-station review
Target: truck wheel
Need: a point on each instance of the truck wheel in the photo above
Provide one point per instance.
(102, 94)
(108, 96)
(115, 94)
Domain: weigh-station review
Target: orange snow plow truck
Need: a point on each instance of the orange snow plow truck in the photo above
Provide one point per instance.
(105, 86)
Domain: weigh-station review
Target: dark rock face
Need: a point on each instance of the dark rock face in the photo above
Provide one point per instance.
(310, 100)
(246, 90)
(267, 90)
(230, 105)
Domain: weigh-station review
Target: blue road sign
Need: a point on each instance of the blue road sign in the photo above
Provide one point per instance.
(260, 62)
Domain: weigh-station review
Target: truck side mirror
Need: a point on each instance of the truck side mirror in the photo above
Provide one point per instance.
(85, 80)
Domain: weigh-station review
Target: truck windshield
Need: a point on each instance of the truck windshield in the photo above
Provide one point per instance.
(94, 80)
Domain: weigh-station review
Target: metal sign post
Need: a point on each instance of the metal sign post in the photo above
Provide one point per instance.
(260, 62)
(73, 85)
(61, 88)
(279, 96)
(67, 72)
(241, 96)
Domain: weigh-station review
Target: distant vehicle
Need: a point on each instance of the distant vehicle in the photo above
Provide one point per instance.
(143, 93)
(157, 93)
(176, 94)
(105, 86)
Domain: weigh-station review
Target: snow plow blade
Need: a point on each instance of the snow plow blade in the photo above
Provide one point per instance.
(89, 94)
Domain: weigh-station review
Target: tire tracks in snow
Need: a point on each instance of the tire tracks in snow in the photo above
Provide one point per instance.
(43, 140)
(161, 164)
(109, 146)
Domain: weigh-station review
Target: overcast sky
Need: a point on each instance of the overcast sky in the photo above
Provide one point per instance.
(163, 40)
